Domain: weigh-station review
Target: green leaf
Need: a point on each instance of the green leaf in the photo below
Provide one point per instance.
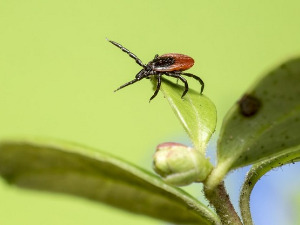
(196, 112)
(265, 122)
(291, 155)
(81, 171)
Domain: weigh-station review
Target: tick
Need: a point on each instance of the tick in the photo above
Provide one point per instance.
(171, 64)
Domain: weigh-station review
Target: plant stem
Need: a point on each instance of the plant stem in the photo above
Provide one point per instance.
(220, 200)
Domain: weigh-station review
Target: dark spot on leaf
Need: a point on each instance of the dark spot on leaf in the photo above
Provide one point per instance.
(249, 105)
(249, 183)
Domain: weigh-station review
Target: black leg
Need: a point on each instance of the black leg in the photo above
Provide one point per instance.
(157, 87)
(128, 83)
(176, 75)
(137, 60)
(197, 78)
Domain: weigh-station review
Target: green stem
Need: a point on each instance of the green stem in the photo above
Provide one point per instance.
(220, 200)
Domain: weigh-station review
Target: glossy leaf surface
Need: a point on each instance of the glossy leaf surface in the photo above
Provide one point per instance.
(196, 112)
(264, 123)
(81, 171)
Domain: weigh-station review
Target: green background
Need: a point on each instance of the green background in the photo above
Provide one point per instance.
(58, 73)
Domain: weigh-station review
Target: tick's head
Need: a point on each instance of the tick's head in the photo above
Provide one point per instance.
(142, 74)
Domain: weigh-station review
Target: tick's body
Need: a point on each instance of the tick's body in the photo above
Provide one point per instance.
(171, 64)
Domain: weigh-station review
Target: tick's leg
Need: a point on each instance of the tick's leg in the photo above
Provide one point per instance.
(177, 75)
(128, 83)
(137, 60)
(197, 78)
(157, 87)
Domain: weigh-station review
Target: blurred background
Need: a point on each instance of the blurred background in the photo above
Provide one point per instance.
(58, 73)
